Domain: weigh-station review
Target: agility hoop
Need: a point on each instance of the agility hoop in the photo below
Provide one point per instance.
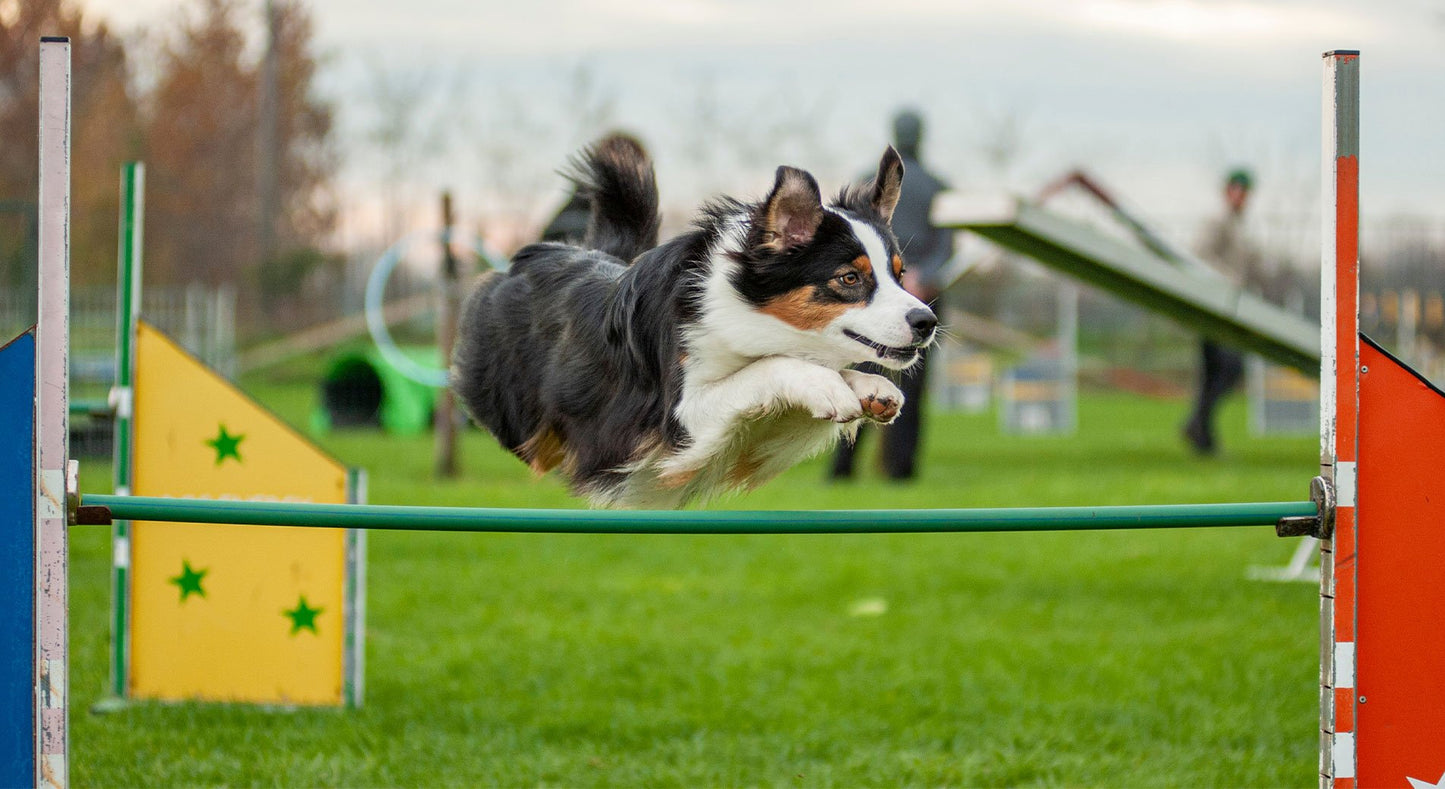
(376, 298)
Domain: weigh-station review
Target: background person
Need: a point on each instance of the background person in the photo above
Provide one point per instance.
(1225, 245)
(925, 251)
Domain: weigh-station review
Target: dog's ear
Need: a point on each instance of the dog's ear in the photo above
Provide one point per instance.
(792, 212)
(887, 184)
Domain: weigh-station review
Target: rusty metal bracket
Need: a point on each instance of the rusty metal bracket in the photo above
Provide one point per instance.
(1321, 525)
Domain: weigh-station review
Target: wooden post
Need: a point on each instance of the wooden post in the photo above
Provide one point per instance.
(448, 306)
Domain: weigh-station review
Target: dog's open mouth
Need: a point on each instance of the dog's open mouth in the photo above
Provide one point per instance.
(883, 351)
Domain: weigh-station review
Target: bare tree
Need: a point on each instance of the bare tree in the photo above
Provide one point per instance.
(1002, 141)
(524, 142)
(732, 142)
(408, 129)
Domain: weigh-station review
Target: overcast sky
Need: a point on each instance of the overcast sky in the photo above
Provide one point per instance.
(1156, 97)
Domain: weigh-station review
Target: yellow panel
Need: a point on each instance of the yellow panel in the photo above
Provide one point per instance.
(229, 613)
(1036, 391)
(1285, 384)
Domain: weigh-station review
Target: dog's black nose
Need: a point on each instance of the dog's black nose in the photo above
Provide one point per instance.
(922, 321)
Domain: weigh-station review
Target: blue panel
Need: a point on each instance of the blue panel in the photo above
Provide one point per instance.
(17, 562)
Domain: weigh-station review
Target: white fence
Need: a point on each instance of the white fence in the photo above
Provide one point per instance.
(201, 319)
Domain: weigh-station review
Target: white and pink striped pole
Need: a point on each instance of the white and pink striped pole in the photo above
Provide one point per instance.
(52, 360)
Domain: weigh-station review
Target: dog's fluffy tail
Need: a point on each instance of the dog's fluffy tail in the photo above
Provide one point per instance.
(615, 176)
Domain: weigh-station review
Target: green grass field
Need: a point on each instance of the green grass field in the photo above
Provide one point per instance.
(1117, 659)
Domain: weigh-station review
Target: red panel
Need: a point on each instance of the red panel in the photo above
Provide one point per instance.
(1400, 731)
(1344, 555)
(1344, 709)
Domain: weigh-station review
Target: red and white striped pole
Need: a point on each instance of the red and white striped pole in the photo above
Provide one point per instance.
(1383, 447)
(1339, 412)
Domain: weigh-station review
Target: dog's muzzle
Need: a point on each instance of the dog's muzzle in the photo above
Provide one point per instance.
(885, 351)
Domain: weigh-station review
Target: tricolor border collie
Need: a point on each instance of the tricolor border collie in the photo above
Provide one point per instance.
(656, 375)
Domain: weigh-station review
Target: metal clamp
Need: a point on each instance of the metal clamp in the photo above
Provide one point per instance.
(1321, 525)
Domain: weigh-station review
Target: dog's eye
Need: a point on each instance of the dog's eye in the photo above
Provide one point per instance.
(850, 279)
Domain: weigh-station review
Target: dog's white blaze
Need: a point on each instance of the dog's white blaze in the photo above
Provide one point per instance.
(885, 319)
(874, 247)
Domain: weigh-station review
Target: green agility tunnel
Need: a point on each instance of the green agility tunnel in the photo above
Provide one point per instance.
(361, 389)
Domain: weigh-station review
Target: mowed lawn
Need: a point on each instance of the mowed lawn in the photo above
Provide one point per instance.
(1111, 659)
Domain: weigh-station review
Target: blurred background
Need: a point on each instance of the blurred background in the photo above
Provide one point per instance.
(289, 142)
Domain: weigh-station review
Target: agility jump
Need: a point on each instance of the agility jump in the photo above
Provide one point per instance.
(1382, 434)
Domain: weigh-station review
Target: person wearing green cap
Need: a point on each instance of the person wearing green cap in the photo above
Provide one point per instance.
(1225, 245)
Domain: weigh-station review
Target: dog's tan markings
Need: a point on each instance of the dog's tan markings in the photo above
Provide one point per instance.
(676, 480)
(744, 469)
(543, 451)
(800, 309)
(864, 264)
(897, 266)
(647, 446)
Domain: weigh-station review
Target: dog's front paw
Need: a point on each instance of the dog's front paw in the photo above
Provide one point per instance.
(878, 398)
(826, 395)
(837, 404)
(883, 410)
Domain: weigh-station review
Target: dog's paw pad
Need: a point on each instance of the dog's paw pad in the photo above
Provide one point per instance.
(880, 408)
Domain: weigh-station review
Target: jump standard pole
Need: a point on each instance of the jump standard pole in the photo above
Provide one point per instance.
(122, 403)
(1382, 451)
(52, 359)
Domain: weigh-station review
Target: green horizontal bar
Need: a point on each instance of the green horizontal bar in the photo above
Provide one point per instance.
(89, 407)
(556, 521)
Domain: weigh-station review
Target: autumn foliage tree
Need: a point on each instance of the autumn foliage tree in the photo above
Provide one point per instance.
(200, 153)
(307, 157)
(203, 154)
(197, 126)
(104, 133)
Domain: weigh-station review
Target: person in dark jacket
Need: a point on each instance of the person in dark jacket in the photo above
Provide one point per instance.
(926, 250)
(569, 225)
(1226, 246)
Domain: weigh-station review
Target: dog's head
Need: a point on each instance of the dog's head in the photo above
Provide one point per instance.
(833, 274)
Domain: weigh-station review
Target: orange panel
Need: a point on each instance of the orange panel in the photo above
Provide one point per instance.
(1400, 643)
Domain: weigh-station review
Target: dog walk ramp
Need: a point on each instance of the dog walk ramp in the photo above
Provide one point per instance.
(1194, 295)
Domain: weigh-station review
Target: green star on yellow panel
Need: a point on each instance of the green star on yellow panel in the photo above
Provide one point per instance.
(189, 581)
(303, 616)
(226, 445)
